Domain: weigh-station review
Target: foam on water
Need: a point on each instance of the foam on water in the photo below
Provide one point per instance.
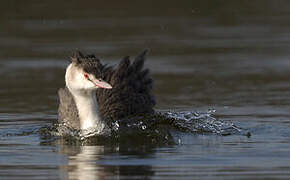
(204, 122)
(160, 126)
(185, 121)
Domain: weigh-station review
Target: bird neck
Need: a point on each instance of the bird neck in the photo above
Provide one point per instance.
(87, 106)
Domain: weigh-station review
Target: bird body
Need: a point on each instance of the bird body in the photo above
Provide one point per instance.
(95, 92)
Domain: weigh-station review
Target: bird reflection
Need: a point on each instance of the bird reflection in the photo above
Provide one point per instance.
(101, 162)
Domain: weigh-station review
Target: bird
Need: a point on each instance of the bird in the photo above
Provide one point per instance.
(96, 93)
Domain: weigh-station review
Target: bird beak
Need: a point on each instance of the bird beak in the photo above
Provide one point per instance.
(101, 83)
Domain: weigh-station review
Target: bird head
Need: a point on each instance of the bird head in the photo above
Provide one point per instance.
(85, 73)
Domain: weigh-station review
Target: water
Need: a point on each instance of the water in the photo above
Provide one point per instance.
(231, 56)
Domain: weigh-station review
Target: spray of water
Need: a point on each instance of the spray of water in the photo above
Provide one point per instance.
(157, 126)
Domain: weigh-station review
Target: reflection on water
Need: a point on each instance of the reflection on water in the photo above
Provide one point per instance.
(232, 56)
(93, 162)
(82, 163)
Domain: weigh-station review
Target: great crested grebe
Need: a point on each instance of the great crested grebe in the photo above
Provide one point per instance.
(95, 92)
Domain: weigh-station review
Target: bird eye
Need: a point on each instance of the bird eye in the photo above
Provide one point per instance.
(100, 80)
(86, 76)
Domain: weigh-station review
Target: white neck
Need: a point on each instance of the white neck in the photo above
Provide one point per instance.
(85, 99)
(88, 111)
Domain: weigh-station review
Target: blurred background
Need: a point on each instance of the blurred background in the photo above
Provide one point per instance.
(200, 50)
(232, 56)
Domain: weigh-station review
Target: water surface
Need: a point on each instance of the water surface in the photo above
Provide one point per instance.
(231, 56)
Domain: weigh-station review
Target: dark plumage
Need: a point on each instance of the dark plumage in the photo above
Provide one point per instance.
(89, 63)
(131, 93)
(67, 110)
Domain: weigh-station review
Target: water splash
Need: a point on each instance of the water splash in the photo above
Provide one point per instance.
(204, 122)
(157, 127)
(64, 130)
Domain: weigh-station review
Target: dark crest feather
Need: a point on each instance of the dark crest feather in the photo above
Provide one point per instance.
(77, 57)
(132, 87)
(89, 63)
(139, 61)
